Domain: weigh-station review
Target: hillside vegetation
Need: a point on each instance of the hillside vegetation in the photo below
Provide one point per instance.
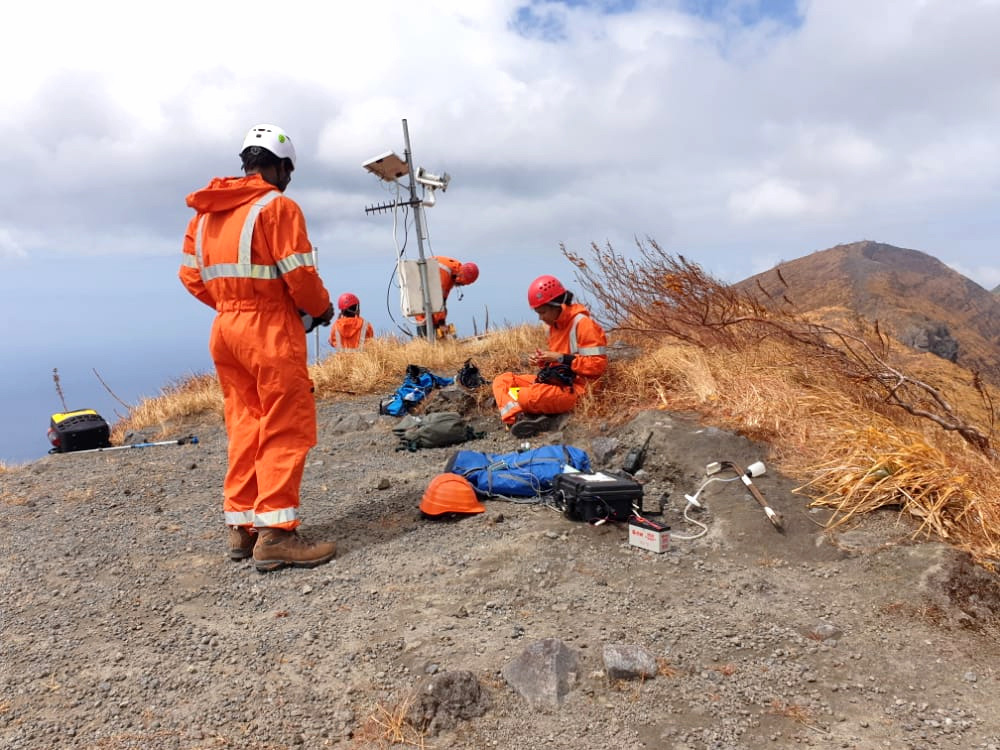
(858, 420)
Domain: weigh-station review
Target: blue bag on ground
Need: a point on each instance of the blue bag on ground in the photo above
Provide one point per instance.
(419, 381)
(524, 474)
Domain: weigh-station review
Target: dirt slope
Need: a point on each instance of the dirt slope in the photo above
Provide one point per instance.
(124, 625)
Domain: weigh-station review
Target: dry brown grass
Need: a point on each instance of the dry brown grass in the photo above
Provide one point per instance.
(197, 395)
(389, 727)
(852, 449)
(8, 498)
(793, 711)
(380, 367)
(851, 453)
(861, 421)
(377, 369)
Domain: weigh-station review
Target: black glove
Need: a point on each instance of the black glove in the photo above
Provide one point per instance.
(327, 316)
(310, 323)
(556, 373)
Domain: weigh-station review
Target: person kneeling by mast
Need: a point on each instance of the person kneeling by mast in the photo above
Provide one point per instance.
(576, 357)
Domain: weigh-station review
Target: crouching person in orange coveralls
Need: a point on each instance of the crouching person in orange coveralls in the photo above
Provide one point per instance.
(351, 331)
(575, 359)
(453, 273)
(247, 255)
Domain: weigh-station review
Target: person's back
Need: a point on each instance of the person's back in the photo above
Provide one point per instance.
(350, 331)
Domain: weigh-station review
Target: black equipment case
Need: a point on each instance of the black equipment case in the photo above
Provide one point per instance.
(79, 430)
(597, 497)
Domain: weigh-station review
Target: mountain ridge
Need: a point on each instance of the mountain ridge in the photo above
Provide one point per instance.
(914, 296)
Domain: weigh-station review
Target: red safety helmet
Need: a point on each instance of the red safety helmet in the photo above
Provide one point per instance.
(468, 273)
(450, 493)
(543, 290)
(347, 300)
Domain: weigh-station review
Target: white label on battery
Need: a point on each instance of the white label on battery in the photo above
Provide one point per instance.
(598, 477)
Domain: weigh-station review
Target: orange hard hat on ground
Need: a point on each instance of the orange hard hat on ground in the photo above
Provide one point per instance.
(468, 273)
(450, 493)
(347, 300)
(543, 290)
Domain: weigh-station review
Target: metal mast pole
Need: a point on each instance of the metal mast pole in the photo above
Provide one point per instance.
(418, 219)
(316, 262)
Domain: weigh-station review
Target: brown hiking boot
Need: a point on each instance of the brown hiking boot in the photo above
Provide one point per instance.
(241, 542)
(278, 547)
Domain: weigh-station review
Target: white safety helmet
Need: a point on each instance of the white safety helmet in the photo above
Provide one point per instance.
(272, 138)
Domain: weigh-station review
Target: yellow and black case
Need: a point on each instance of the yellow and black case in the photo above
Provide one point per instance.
(83, 429)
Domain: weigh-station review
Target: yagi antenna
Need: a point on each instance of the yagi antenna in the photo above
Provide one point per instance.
(390, 168)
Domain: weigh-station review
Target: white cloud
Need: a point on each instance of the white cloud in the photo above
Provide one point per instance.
(987, 276)
(779, 199)
(766, 139)
(9, 246)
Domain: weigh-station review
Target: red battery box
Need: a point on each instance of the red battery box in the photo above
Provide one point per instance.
(648, 534)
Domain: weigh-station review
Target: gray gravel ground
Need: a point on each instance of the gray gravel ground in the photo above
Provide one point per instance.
(124, 625)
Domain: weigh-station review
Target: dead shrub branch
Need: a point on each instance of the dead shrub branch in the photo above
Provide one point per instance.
(662, 295)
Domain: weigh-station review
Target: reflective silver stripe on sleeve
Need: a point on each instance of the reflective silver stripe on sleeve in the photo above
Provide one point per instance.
(198, 242)
(239, 271)
(190, 261)
(508, 408)
(573, 348)
(298, 260)
(364, 333)
(275, 517)
(587, 351)
(336, 335)
(241, 518)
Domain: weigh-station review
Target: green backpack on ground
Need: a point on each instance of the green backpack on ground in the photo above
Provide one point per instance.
(433, 430)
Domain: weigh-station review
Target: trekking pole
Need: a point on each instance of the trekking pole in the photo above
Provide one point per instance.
(189, 440)
(772, 515)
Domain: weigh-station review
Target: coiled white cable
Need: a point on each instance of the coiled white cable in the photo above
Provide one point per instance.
(692, 501)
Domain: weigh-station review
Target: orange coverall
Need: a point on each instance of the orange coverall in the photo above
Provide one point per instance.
(351, 333)
(247, 254)
(576, 333)
(448, 268)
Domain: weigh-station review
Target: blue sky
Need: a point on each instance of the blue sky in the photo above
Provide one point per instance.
(736, 132)
(747, 13)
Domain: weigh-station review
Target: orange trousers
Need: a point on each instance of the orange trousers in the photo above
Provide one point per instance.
(532, 397)
(261, 360)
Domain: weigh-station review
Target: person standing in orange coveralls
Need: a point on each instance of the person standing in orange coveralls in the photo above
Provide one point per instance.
(576, 357)
(453, 273)
(351, 331)
(247, 255)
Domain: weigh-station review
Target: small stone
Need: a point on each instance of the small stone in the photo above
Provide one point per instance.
(383, 483)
